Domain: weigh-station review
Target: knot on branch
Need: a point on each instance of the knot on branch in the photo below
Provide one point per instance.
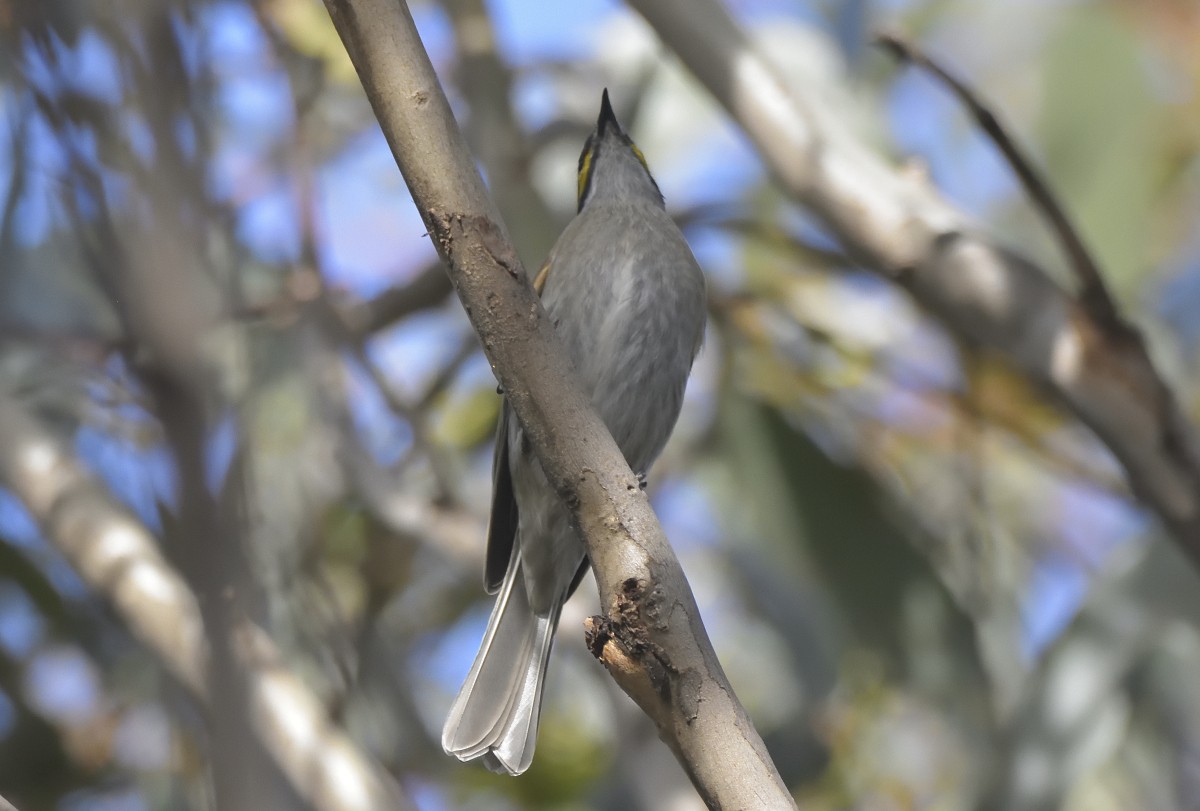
(622, 643)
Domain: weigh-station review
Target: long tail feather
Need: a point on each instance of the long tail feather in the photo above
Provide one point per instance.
(495, 716)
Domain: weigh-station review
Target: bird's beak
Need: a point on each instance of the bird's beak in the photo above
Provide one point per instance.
(607, 116)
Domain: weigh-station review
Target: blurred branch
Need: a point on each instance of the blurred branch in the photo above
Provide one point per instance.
(205, 535)
(494, 133)
(119, 559)
(1064, 723)
(18, 137)
(427, 289)
(906, 232)
(331, 321)
(156, 272)
(157, 276)
(777, 236)
(697, 711)
(467, 347)
(1095, 295)
(744, 316)
(339, 323)
(452, 532)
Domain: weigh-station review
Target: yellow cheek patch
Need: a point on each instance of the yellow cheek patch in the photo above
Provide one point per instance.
(584, 171)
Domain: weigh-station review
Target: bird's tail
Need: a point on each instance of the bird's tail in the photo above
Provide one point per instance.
(495, 716)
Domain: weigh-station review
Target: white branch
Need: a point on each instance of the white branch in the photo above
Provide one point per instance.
(901, 228)
(119, 559)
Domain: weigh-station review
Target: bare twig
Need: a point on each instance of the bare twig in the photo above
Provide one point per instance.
(1095, 294)
(699, 714)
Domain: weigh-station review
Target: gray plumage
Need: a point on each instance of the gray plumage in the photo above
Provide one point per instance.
(628, 301)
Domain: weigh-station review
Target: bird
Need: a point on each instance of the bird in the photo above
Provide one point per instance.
(627, 298)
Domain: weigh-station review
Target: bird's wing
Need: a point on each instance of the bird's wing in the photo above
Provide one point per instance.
(502, 526)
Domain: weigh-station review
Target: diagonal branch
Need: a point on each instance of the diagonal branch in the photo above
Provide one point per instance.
(991, 296)
(119, 559)
(638, 575)
(1095, 296)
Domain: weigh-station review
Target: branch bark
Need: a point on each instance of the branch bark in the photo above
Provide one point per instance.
(902, 229)
(697, 711)
(119, 559)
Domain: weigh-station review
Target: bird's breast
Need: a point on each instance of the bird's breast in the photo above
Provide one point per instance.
(628, 300)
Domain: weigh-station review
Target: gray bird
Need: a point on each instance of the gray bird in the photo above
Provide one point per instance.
(628, 301)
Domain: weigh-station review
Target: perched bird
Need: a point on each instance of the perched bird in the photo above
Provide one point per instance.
(628, 301)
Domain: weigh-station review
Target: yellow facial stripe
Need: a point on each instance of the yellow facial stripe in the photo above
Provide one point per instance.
(639, 154)
(539, 281)
(584, 171)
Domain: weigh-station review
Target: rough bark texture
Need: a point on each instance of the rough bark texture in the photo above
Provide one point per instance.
(901, 228)
(703, 721)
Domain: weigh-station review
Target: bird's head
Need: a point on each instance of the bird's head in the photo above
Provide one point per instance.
(611, 167)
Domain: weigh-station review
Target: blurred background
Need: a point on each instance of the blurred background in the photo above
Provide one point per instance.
(931, 587)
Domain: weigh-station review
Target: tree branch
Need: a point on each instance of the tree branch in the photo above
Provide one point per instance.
(427, 289)
(119, 559)
(1095, 293)
(903, 230)
(700, 716)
